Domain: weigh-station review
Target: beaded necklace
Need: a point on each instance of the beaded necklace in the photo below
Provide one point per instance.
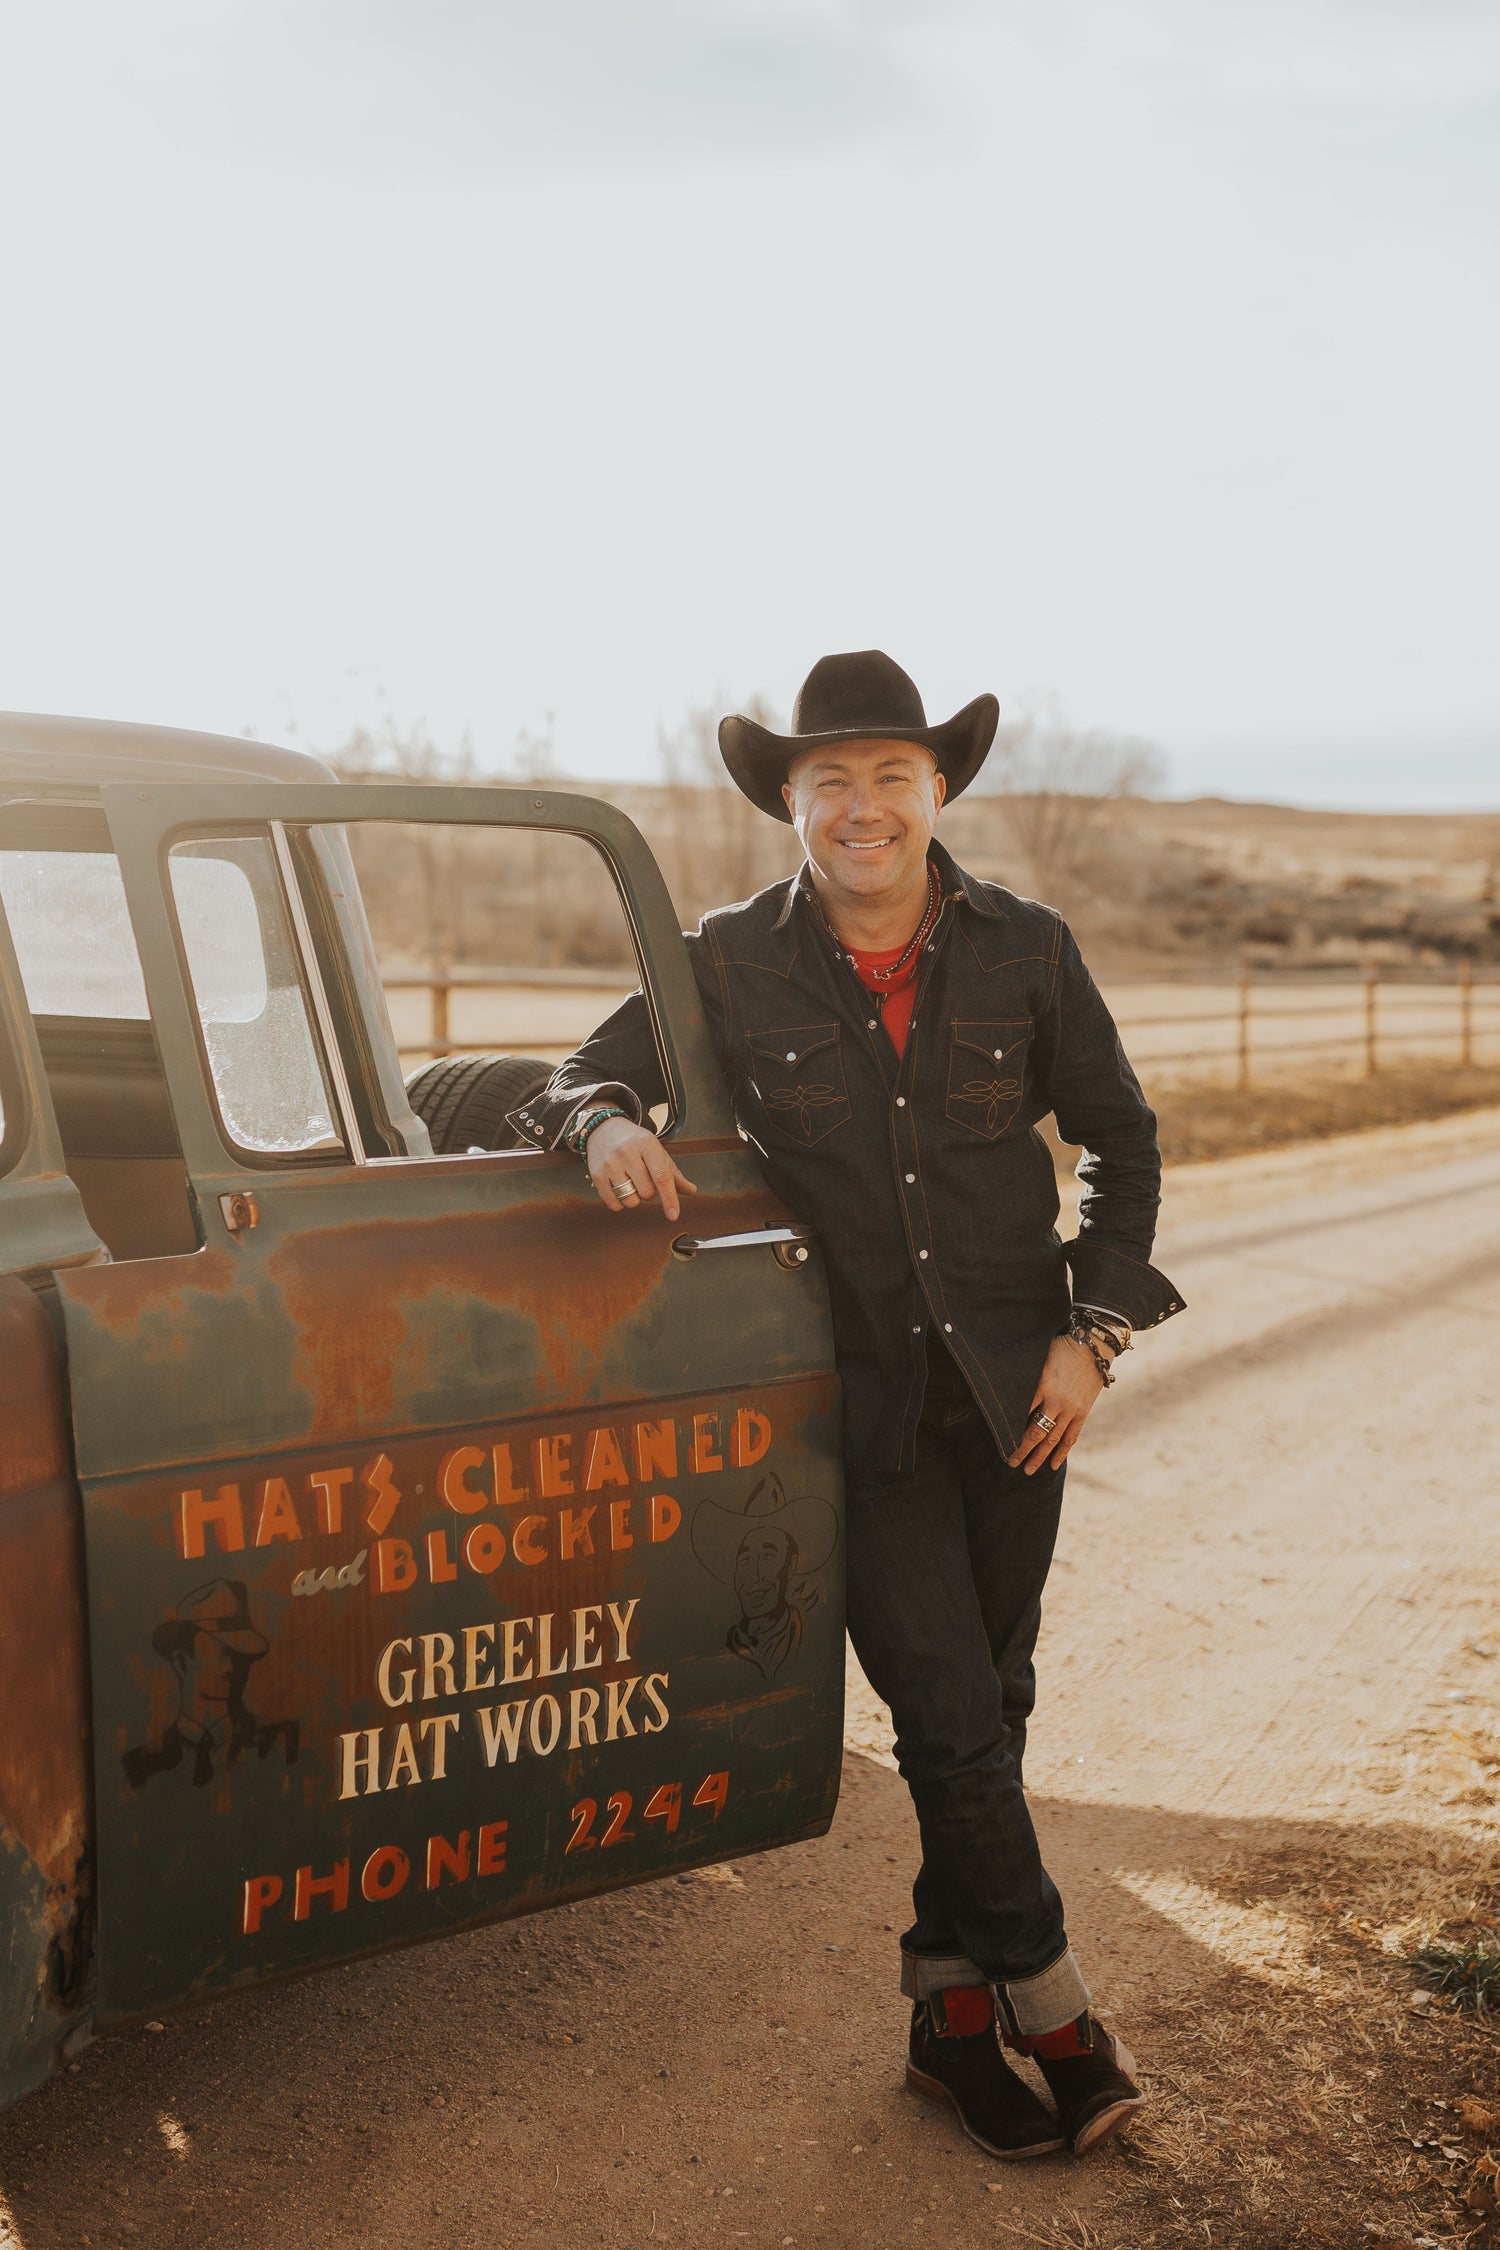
(919, 937)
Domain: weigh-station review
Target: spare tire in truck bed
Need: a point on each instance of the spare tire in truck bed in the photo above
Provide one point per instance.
(463, 1099)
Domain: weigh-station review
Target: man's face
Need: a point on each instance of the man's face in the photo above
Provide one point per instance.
(761, 1570)
(207, 1672)
(865, 812)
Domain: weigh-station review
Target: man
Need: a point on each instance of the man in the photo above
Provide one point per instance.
(892, 1031)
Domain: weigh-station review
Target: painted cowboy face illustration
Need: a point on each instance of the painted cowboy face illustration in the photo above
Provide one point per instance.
(768, 1551)
(210, 1644)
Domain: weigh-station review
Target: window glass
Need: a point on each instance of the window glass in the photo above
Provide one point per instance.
(72, 933)
(492, 940)
(263, 1056)
(500, 947)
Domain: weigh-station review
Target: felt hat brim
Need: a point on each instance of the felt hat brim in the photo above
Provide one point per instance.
(759, 760)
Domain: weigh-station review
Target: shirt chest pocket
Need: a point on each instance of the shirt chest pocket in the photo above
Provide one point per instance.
(799, 1076)
(987, 1074)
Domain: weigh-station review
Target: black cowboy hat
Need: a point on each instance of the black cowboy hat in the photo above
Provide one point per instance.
(862, 696)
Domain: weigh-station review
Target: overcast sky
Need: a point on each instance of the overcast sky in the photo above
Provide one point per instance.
(595, 357)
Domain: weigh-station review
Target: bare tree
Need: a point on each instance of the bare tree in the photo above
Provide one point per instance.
(393, 750)
(1058, 781)
(716, 832)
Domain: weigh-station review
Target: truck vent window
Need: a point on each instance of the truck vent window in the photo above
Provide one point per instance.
(268, 1074)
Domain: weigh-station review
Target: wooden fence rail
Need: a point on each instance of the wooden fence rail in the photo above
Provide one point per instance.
(1388, 1020)
(1373, 1023)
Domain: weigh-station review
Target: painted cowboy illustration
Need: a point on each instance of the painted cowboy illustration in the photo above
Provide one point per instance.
(210, 1644)
(768, 1551)
(892, 1031)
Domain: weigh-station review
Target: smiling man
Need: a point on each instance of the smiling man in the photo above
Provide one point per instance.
(892, 1032)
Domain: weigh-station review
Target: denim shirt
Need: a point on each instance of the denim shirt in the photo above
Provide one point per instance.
(932, 1193)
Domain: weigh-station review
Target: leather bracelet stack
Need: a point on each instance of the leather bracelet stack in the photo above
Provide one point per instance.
(577, 1136)
(1095, 1334)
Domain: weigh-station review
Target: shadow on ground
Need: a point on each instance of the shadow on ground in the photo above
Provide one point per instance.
(717, 2058)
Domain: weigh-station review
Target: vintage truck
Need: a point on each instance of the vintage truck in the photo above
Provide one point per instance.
(391, 1539)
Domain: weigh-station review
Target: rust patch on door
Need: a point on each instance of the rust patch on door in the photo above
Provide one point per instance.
(44, 1743)
(574, 1273)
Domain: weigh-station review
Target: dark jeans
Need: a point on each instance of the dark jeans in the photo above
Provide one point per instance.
(946, 1569)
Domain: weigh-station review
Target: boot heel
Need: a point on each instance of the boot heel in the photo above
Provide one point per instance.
(930, 2089)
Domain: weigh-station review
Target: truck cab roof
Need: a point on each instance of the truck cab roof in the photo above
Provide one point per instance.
(76, 757)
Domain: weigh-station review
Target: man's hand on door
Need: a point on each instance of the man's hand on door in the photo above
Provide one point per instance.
(622, 1155)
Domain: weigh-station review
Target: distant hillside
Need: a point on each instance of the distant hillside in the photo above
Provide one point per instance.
(1149, 884)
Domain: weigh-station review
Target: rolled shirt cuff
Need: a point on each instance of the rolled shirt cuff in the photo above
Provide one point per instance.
(540, 1125)
(1103, 1275)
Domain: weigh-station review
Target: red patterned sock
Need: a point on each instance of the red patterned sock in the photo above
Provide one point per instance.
(961, 2010)
(1057, 2046)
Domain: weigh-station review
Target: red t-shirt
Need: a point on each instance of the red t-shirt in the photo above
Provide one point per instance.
(896, 1014)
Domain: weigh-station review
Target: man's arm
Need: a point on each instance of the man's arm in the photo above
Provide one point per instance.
(618, 1068)
(1097, 1101)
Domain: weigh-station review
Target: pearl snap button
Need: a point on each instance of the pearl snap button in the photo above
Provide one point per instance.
(947, 1328)
(910, 1177)
(900, 1101)
(921, 1253)
(999, 1054)
(870, 1026)
(791, 1058)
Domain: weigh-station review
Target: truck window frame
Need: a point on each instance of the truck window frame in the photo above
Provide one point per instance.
(42, 1221)
(14, 1110)
(147, 822)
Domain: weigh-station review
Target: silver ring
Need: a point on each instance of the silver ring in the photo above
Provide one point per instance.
(1046, 1423)
(624, 1187)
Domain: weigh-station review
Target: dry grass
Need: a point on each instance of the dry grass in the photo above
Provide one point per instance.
(1198, 1123)
(1332, 2103)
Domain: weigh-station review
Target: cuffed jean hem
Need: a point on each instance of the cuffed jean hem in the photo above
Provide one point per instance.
(923, 1974)
(1034, 2005)
(1030, 2006)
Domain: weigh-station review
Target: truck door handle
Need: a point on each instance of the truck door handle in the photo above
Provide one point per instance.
(790, 1246)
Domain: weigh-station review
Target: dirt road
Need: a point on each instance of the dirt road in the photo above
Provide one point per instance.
(1274, 1596)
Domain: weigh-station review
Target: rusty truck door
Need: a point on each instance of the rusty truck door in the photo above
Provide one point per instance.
(42, 1222)
(454, 1548)
(44, 1781)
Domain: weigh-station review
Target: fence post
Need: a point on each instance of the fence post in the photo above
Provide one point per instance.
(1466, 1012)
(1370, 1061)
(440, 1013)
(1243, 1076)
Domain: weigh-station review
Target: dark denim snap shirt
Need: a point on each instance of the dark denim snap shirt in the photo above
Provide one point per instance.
(932, 1194)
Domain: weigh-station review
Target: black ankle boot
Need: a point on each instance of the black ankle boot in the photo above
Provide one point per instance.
(1095, 2089)
(995, 2107)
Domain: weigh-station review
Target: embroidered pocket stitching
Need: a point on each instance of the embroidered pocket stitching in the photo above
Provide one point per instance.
(997, 1095)
(801, 1105)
